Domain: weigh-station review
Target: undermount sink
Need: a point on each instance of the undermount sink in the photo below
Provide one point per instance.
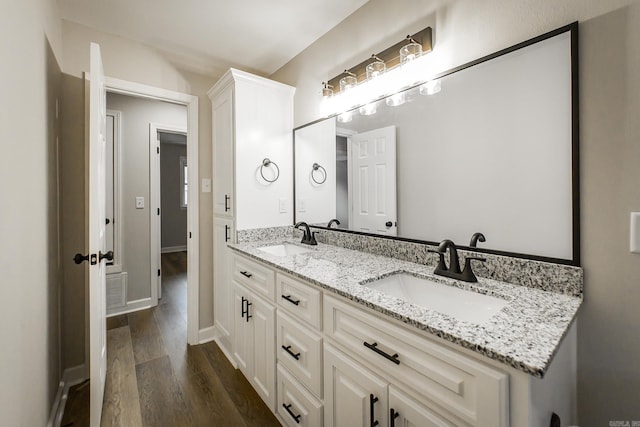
(284, 249)
(458, 303)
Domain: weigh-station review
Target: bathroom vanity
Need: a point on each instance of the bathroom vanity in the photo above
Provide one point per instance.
(322, 347)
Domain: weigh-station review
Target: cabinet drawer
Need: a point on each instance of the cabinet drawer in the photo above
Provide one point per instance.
(296, 406)
(299, 299)
(300, 350)
(467, 388)
(255, 276)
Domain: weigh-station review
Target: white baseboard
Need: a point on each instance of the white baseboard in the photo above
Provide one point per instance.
(229, 356)
(170, 249)
(132, 306)
(206, 334)
(70, 377)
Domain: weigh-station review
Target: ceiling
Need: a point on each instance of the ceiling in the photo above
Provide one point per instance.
(211, 35)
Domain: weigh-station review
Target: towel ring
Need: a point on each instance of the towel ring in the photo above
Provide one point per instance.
(266, 163)
(316, 167)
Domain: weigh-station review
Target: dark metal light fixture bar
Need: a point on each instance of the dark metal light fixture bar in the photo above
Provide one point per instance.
(390, 56)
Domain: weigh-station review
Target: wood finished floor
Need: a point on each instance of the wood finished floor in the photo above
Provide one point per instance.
(155, 379)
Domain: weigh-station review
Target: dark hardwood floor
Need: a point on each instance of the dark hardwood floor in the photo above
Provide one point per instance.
(155, 379)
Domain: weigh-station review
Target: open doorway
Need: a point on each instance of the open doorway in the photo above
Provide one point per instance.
(142, 117)
(174, 197)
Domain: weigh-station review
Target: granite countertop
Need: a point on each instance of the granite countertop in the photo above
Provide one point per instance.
(524, 334)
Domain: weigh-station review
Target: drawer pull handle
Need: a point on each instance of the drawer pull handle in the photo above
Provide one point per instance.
(242, 306)
(372, 400)
(248, 315)
(294, 416)
(246, 274)
(291, 300)
(375, 348)
(288, 350)
(394, 415)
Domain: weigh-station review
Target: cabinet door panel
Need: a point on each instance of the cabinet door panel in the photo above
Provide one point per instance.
(262, 322)
(223, 301)
(223, 160)
(242, 345)
(348, 390)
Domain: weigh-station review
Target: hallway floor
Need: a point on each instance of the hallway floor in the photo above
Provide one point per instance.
(155, 379)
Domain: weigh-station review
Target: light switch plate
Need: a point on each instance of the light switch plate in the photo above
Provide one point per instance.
(139, 202)
(206, 185)
(634, 233)
(302, 206)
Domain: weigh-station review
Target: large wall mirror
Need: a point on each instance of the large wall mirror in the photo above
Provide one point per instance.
(488, 147)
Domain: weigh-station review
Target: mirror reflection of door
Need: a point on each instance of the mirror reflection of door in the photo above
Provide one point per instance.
(372, 168)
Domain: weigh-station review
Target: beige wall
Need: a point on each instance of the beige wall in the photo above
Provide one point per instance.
(174, 217)
(609, 345)
(29, 225)
(126, 60)
(137, 113)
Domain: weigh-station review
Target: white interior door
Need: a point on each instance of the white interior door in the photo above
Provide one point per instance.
(97, 116)
(372, 168)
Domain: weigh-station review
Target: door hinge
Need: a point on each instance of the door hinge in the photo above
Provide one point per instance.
(158, 211)
(158, 272)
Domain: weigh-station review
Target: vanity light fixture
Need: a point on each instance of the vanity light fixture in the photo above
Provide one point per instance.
(391, 72)
(345, 117)
(410, 51)
(368, 109)
(348, 82)
(431, 87)
(375, 68)
(327, 90)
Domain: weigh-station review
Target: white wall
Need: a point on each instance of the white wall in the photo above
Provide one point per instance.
(608, 344)
(137, 113)
(30, 55)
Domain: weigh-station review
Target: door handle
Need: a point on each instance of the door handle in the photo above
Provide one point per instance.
(108, 256)
(394, 414)
(226, 233)
(388, 223)
(226, 202)
(107, 221)
(92, 258)
(372, 400)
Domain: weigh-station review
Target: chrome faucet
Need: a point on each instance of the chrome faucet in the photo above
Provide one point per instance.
(453, 269)
(333, 221)
(308, 238)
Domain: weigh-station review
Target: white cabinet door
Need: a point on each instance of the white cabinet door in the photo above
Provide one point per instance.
(353, 396)
(223, 135)
(262, 319)
(254, 342)
(242, 345)
(223, 232)
(406, 412)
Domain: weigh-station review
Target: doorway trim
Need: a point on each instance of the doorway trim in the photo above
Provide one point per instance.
(193, 221)
(155, 197)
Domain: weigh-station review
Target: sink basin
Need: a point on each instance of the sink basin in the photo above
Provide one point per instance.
(458, 303)
(284, 249)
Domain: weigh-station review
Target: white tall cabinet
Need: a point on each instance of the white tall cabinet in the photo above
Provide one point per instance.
(252, 120)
